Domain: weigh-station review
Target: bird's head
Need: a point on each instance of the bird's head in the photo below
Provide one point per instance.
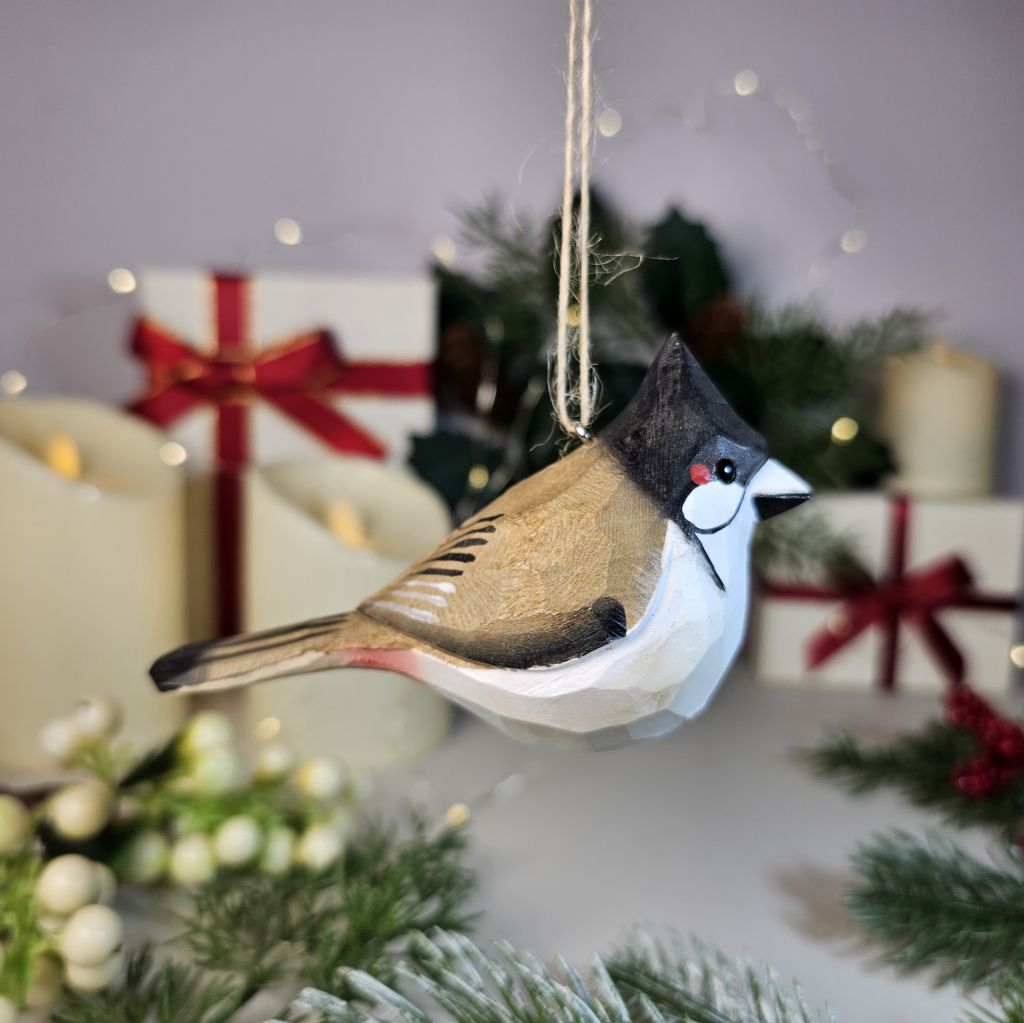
(682, 444)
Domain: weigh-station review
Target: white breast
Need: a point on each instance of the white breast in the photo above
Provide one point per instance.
(663, 671)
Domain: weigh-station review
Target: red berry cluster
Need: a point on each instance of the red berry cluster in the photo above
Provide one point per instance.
(1001, 759)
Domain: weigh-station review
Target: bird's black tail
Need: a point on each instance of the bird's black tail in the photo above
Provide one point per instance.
(257, 656)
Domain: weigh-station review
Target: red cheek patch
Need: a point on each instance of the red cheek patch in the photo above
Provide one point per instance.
(700, 474)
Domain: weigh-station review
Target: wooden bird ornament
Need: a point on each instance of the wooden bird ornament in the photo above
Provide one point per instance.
(598, 602)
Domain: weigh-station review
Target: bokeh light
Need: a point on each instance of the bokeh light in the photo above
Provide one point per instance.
(844, 429)
(12, 382)
(445, 251)
(172, 453)
(609, 123)
(287, 231)
(121, 281)
(853, 240)
(745, 83)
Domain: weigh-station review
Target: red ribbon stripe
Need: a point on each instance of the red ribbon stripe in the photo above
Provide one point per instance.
(298, 377)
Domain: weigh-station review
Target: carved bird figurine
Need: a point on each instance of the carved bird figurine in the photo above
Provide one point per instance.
(598, 602)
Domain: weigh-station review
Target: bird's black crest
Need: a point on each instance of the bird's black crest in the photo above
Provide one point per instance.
(676, 419)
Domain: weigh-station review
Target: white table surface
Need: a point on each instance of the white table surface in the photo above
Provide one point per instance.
(716, 830)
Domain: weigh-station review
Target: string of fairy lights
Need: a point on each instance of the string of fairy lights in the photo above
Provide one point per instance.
(746, 85)
(695, 115)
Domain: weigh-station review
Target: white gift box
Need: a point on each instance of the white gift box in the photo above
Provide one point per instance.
(986, 535)
(246, 372)
(371, 320)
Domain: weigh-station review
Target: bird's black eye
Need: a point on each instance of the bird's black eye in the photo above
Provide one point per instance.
(725, 470)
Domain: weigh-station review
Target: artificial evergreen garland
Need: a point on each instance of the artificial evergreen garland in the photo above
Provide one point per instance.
(448, 978)
(929, 903)
(257, 915)
(279, 882)
(244, 934)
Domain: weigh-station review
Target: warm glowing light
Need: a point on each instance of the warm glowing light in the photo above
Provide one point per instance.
(486, 392)
(347, 524)
(267, 729)
(287, 231)
(853, 240)
(172, 453)
(62, 456)
(444, 250)
(12, 382)
(844, 429)
(940, 351)
(121, 281)
(479, 476)
(838, 624)
(609, 122)
(457, 815)
(1017, 655)
(745, 83)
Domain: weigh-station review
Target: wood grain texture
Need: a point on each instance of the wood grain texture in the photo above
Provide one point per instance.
(565, 555)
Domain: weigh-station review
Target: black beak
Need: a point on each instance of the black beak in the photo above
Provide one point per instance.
(775, 504)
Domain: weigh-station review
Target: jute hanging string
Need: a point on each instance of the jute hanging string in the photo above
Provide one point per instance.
(574, 402)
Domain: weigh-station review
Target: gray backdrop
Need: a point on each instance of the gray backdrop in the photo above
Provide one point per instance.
(137, 132)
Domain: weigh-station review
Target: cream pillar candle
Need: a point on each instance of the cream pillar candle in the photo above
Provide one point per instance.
(91, 575)
(321, 536)
(939, 411)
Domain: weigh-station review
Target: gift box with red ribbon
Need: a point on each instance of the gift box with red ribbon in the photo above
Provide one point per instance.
(940, 608)
(245, 371)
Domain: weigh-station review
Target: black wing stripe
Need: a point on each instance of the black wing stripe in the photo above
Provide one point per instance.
(439, 571)
(482, 529)
(457, 556)
(473, 541)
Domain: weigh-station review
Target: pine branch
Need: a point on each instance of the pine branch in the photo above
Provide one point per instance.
(703, 985)
(390, 890)
(449, 978)
(935, 906)
(248, 932)
(1008, 995)
(899, 330)
(793, 374)
(919, 765)
(808, 549)
(309, 925)
(156, 992)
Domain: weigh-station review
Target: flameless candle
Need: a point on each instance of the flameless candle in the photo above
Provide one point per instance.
(939, 411)
(320, 537)
(92, 585)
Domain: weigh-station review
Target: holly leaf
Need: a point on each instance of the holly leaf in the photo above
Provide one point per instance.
(683, 270)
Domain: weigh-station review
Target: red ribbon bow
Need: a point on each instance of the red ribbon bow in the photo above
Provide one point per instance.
(295, 376)
(899, 597)
(913, 598)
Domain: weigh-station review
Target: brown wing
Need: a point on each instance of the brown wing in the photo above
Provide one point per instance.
(560, 565)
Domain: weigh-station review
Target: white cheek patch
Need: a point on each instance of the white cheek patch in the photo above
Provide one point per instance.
(713, 504)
